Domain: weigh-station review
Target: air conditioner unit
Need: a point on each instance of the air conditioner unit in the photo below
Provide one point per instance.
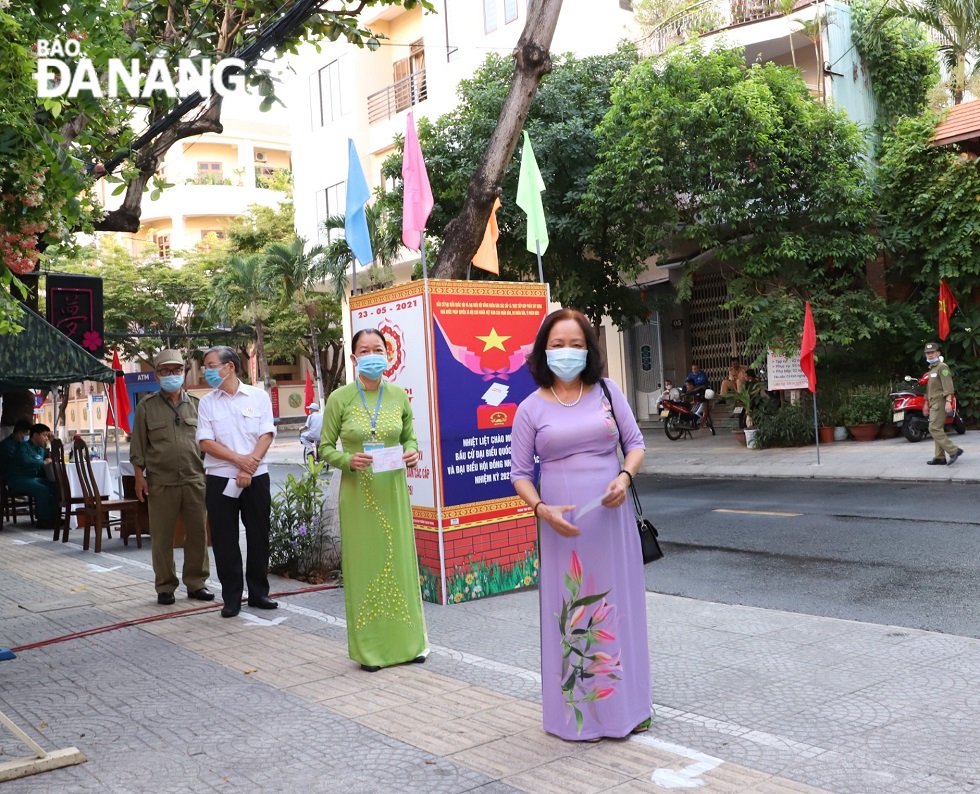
(260, 157)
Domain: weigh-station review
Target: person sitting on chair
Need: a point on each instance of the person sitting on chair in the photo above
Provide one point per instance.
(8, 446)
(25, 475)
(736, 377)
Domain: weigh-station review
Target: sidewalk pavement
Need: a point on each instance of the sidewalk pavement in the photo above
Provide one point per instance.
(704, 455)
(746, 699)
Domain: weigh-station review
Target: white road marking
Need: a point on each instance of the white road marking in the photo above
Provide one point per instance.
(23, 542)
(755, 512)
(261, 621)
(99, 569)
(689, 776)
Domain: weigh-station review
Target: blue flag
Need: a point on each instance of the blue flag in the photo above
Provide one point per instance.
(355, 220)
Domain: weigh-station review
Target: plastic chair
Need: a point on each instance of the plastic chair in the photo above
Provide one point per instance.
(97, 510)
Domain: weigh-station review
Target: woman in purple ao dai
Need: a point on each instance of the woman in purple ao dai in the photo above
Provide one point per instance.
(595, 664)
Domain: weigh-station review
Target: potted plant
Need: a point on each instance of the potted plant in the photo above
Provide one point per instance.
(744, 399)
(864, 413)
(829, 414)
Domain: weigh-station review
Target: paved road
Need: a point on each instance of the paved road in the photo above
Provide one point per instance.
(896, 553)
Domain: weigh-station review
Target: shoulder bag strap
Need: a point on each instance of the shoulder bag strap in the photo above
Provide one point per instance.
(637, 508)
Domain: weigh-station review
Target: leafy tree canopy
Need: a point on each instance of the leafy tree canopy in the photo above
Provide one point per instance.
(569, 104)
(741, 166)
(53, 148)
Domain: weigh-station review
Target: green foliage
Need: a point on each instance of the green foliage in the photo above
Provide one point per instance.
(866, 406)
(901, 61)
(386, 245)
(789, 426)
(52, 150)
(703, 159)
(260, 226)
(569, 104)
(300, 545)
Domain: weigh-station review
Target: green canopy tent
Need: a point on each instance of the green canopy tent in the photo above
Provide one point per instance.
(41, 357)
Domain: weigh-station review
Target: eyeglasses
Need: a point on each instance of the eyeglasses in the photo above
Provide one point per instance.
(171, 371)
(213, 366)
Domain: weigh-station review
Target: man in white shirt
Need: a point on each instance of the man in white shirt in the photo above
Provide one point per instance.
(235, 430)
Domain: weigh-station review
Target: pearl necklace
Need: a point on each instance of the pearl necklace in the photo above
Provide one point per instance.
(581, 388)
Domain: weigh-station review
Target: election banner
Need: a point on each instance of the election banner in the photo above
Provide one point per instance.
(459, 349)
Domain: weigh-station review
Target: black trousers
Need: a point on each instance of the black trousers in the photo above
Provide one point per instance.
(254, 505)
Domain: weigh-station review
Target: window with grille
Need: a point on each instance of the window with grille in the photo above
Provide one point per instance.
(330, 201)
(163, 245)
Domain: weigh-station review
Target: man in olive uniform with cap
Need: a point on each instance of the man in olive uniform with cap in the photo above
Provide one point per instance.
(164, 445)
(939, 395)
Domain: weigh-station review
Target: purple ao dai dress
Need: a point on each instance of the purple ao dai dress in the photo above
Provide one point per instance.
(595, 664)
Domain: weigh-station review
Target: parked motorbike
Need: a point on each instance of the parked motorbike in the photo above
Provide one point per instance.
(908, 412)
(680, 418)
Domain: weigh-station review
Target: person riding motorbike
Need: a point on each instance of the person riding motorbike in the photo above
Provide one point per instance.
(309, 436)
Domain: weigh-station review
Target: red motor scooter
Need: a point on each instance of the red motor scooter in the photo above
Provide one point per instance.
(908, 412)
(680, 418)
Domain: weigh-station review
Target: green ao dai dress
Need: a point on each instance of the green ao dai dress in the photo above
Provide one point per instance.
(385, 623)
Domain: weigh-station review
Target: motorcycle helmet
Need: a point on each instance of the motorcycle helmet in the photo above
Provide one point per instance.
(709, 394)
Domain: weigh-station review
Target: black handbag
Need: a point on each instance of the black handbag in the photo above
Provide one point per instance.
(649, 544)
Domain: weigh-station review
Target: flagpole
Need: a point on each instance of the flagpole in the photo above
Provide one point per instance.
(425, 269)
(816, 428)
(468, 269)
(353, 270)
(537, 245)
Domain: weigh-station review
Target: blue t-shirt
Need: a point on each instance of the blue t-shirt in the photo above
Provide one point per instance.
(700, 379)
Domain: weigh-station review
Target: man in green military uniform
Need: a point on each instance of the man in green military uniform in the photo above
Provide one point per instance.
(164, 445)
(939, 396)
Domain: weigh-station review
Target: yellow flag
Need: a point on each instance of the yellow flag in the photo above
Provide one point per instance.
(486, 255)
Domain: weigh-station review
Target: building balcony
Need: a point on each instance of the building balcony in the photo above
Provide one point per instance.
(189, 200)
(708, 17)
(398, 96)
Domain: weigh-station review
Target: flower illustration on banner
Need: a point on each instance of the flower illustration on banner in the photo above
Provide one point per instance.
(589, 673)
(91, 340)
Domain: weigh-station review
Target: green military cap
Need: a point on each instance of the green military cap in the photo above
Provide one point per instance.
(165, 357)
(931, 347)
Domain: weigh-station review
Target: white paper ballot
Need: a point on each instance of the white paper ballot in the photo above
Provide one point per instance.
(496, 394)
(387, 459)
(588, 508)
(232, 490)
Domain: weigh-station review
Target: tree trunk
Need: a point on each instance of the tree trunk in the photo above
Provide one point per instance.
(335, 364)
(464, 233)
(316, 359)
(263, 363)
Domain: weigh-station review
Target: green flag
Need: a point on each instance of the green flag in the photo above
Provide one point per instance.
(529, 190)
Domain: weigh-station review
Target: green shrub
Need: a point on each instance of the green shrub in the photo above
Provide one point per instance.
(866, 407)
(789, 426)
(300, 544)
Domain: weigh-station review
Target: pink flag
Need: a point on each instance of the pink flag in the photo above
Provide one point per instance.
(418, 195)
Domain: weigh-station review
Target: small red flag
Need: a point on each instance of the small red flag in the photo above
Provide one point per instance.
(119, 405)
(947, 305)
(806, 350)
(308, 395)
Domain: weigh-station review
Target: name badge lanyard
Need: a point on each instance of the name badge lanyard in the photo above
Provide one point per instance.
(374, 419)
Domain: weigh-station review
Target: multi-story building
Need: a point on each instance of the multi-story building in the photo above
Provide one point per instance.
(214, 178)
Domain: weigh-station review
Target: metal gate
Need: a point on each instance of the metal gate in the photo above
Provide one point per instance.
(716, 335)
(644, 364)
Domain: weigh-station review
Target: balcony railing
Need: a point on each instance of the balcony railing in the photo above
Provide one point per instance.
(705, 17)
(397, 97)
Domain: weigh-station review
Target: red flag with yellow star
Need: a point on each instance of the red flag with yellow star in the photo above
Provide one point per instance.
(947, 305)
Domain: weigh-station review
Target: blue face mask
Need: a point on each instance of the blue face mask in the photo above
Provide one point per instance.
(932, 361)
(566, 362)
(171, 383)
(373, 365)
(213, 378)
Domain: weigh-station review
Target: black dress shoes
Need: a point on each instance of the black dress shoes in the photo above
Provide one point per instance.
(263, 602)
(230, 610)
(936, 462)
(201, 595)
(369, 668)
(165, 598)
(953, 458)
